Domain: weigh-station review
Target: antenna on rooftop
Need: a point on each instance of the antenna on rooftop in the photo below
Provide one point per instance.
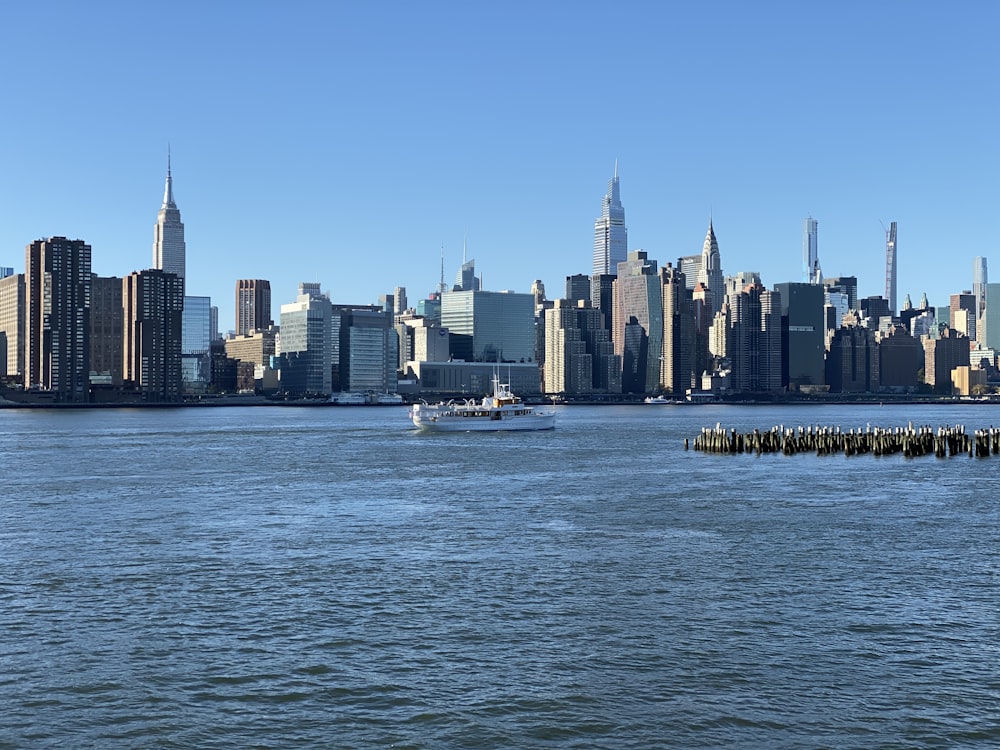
(441, 285)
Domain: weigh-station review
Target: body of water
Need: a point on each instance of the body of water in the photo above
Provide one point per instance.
(310, 577)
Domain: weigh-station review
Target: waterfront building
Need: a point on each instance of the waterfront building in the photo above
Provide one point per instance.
(107, 331)
(610, 233)
(890, 268)
(852, 363)
(256, 348)
(967, 380)
(497, 326)
(677, 350)
(941, 356)
(12, 319)
(153, 306)
(196, 341)
(753, 340)
(304, 348)
(365, 349)
(710, 269)
(253, 306)
(168, 233)
(474, 379)
(637, 323)
(57, 284)
(810, 252)
(803, 340)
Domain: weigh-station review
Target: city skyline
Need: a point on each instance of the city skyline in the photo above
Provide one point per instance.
(353, 164)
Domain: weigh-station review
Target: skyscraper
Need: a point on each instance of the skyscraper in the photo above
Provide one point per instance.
(637, 323)
(253, 306)
(153, 302)
(677, 352)
(890, 268)
(168, 234)
(979, 281)
(57, 284)
(810, 251)
(710, 270)
(610, 234)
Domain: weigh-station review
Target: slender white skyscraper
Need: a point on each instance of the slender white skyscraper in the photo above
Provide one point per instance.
(710, 272)
(168, 234)
(610, 234)
(810, 251)
(890, 267)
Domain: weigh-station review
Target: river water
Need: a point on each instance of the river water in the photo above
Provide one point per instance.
(307, 577)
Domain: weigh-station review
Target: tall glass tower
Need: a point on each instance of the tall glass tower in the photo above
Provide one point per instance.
(810, 251)
(168, 234)
(610, 234)
(979, 281)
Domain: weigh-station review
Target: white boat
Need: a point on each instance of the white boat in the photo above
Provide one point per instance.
(659, 400)
(500, 411)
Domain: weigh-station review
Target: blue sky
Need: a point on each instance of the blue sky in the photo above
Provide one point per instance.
(346, 143)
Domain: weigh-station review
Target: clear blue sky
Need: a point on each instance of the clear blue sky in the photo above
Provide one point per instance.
(345, 143)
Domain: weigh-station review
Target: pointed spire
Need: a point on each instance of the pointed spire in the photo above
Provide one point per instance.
(616, 169)
(168, 189)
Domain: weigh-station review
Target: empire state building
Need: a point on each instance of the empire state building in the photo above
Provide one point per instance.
(168, 234)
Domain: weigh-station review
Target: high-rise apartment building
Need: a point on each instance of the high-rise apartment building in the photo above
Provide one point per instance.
(153, 302)
(637, 323)
(107, 333)
(57, 283)
(568, 367)
(168, 234)
(941, 356)
(753, 340)
(610, 233)
(12, 318)
(677, 351)
(253, 306)
(890, 268)
(810, 252)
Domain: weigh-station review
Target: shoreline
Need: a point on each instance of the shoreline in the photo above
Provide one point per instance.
(261, 401)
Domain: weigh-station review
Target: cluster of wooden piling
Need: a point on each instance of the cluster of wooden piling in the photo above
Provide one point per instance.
(910, 441)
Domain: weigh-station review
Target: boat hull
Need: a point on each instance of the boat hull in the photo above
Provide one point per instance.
(450, 423)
